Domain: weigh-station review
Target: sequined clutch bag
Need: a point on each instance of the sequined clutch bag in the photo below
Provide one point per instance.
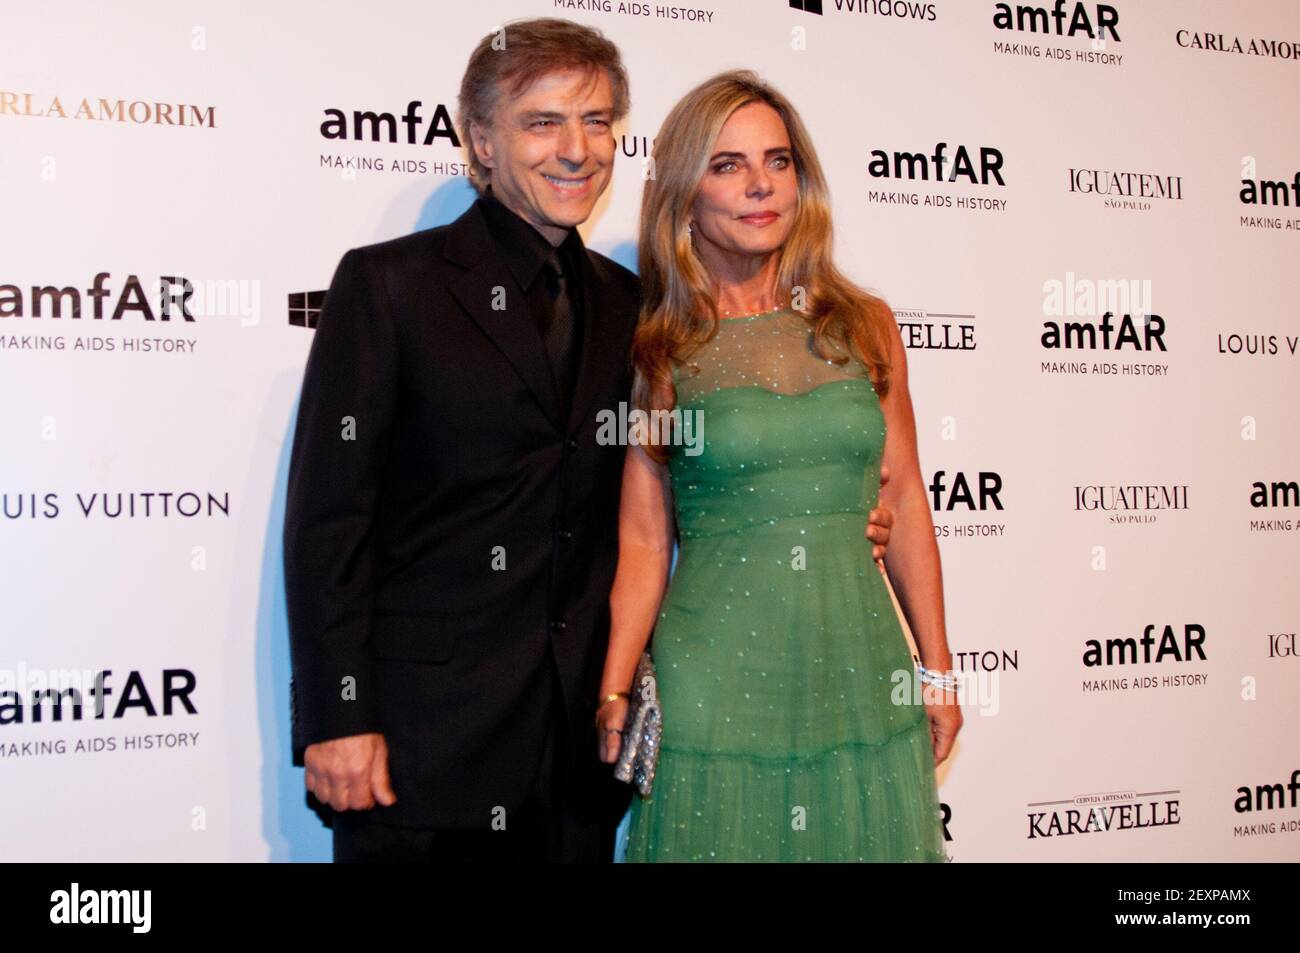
(642, 729)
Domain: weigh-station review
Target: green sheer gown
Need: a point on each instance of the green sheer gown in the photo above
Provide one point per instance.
(777, 646)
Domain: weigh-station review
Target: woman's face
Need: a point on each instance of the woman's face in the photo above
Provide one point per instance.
(747, 199)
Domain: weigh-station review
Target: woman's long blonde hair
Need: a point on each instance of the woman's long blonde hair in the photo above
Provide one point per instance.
(678, 313)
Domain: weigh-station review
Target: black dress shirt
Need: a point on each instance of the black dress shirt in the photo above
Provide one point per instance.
(525, 251)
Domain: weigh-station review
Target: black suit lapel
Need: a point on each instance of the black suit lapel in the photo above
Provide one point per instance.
(603, 341)
(512, 329)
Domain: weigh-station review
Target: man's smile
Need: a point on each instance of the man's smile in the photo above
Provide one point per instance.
(568, 184)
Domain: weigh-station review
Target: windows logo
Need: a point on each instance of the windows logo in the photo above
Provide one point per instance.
(304, 308)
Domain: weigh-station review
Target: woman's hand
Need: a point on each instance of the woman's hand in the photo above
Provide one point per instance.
(945, 720)
(610, 718)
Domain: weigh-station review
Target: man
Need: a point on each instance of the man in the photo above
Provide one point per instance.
(451, 522)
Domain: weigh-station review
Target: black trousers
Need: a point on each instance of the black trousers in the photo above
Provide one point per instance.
(545, 828)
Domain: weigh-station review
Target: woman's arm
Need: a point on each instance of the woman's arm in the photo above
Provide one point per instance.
(645, 543)
(912, 559)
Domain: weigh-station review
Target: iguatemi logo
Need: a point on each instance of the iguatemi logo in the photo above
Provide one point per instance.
(1127, 191)
(1130, 504)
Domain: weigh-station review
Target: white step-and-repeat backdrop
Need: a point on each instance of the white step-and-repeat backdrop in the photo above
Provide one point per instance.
(1086, 217)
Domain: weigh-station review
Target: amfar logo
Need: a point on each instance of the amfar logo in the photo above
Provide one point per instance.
(1277, 493)
(1128, 191)
(136, 111)
(177, 296)
(1103, 813)
(1267, 194)
(1105, 336)
(934, 331)
(174, 292)
(367, 125)
(1145, 650)
(1095, 21)
(1273, 192)
(1089, 336)
(959, 497)
(1216, 43)
(895, 9)
(30, 695)
(945, 498)
(1267, 496)
(1268, 797)
(937, 167)
(102, 907)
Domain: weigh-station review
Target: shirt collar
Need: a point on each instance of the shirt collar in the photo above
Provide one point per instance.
(524, 248)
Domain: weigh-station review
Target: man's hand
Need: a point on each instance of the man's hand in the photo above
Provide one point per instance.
(350, 773)
(879, 522)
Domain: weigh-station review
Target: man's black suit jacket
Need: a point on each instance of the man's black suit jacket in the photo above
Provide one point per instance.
(445, 531)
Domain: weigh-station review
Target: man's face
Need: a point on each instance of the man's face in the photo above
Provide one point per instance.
(551, 150)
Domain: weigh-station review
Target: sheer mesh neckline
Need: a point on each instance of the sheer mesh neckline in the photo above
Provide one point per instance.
(771, 350)
(759, 314)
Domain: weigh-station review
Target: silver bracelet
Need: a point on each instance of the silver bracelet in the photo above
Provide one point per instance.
(946, 681)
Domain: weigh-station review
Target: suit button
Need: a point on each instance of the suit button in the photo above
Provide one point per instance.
(572, 444)
(557, 626)
(566, 535)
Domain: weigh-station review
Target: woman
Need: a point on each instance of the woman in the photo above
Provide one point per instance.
(777, 646)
